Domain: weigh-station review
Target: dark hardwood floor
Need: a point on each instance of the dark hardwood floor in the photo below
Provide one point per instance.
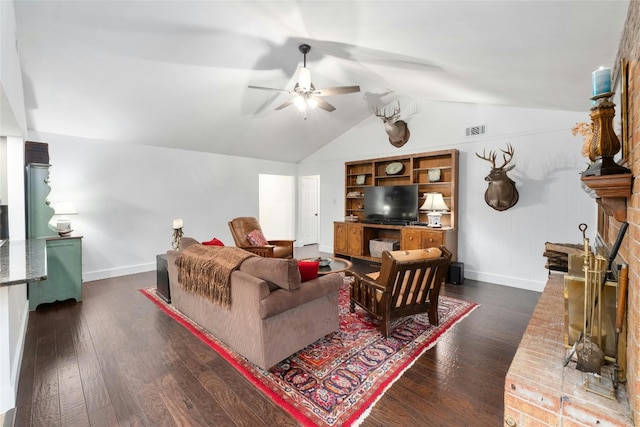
(116, 359)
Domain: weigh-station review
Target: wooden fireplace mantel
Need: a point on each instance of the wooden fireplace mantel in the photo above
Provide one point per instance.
(611, 192)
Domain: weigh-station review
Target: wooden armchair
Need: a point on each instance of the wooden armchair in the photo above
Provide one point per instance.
(242, 226)
(408, 283)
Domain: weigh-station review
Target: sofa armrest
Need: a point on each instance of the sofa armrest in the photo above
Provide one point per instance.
(282, 300)
(250, 288)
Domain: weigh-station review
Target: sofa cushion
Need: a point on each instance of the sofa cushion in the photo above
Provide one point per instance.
(283, 273)
(308, 270)
(257, 238)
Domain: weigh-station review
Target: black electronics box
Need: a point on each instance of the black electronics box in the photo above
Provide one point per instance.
(456, 273)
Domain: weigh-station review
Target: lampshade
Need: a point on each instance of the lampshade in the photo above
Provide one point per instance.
(64, 208)
(434, 202)
(62, 224)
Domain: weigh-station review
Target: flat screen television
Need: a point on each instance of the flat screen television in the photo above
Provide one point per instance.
(392, 204)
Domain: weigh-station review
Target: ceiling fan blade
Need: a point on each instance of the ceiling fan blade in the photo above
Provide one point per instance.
(323, 104)
(340, 90)
(269, 88)
(286, 104)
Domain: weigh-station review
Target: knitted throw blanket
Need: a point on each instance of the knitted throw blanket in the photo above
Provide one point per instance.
(206, 271)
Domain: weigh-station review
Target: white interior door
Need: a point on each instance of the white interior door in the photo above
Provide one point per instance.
(277, 206)
(309, 209)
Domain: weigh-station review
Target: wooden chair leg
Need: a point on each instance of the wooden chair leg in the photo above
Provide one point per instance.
(433, 315)
(385, 327)
(352, 306)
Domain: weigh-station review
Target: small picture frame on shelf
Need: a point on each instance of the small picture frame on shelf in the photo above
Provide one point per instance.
(360, 179)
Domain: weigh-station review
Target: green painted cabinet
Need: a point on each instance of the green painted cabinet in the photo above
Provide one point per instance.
(39, 212)
(64, 272)
(64, 254)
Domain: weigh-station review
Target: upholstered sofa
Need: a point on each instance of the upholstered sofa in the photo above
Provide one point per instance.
(271, 315)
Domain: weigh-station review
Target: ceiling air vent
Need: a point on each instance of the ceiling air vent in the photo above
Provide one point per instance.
(476, 130)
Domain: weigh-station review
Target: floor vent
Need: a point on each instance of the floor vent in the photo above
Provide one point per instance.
(476, 130)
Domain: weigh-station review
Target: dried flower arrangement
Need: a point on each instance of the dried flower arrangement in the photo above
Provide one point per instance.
(586, 130)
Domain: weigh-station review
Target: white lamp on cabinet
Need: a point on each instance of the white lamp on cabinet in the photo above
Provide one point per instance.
(433, 205)
(62, 223)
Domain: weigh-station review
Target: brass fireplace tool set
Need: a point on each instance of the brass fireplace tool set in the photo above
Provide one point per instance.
(596, 304)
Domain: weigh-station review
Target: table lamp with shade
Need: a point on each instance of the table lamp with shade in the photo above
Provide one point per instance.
(434, 204)
(60, 220)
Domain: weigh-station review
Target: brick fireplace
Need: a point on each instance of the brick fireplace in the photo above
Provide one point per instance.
(538, 389)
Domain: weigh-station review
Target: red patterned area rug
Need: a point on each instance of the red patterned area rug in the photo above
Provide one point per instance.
(337, 380)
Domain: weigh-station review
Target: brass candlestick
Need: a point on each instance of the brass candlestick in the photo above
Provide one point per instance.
(177, 235)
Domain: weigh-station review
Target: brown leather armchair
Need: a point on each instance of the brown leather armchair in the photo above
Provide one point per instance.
(242, 226)
(408, 283)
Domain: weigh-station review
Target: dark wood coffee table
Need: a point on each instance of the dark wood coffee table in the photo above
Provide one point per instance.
(337, 265)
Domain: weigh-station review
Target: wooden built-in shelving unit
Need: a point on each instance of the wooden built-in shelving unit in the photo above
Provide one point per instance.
(352, 238)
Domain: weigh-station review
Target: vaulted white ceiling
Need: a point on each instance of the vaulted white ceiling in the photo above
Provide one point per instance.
(175, 73)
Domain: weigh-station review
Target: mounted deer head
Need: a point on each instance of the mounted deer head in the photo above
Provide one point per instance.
(501, 193)
(397, 130)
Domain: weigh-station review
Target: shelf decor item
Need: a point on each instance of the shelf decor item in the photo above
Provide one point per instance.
(177, 233)
(434, 204)
(434, 175)
(394, 168)
(360, 179)
(605, 143)
(601, 81)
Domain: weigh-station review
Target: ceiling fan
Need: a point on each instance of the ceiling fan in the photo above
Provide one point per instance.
(306, 93)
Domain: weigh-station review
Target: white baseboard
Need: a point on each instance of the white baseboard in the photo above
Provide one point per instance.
(514, 282)
(117, 272)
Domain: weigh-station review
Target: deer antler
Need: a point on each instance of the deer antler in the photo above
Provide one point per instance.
(383, 115)
(508, 152)
(491, 158)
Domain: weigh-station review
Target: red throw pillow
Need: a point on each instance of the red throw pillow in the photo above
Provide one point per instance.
(257, 238)
(213, 242)
(308, 270)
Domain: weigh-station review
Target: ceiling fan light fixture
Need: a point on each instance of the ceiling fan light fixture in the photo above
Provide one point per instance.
(304, 79)
(305, 93)
(300, 102)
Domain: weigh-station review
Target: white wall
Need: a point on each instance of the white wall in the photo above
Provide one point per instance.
(500, 247)
(13, 299)
(128, 195)
(13, 113)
